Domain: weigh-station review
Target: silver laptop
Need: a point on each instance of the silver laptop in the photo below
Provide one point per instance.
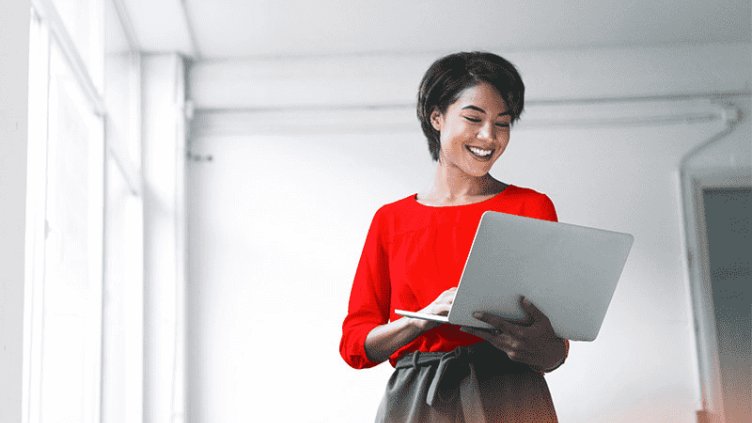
(569, 272)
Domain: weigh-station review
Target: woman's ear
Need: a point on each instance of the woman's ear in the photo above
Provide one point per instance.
(436, 119)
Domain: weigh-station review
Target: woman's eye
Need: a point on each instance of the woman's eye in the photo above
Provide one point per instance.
(472, 119)
(502, 125)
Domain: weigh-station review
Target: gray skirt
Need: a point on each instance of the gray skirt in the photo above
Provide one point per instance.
(477, 383)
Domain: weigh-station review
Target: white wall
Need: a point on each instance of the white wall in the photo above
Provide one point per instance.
(278, 218)
(14, 61)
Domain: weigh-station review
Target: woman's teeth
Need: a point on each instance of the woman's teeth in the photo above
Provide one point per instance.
(480, 152)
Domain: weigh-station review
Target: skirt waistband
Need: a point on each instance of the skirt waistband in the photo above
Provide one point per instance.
(482, 354)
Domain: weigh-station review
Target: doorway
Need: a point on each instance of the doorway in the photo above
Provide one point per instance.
(718, 205)
(728, 225)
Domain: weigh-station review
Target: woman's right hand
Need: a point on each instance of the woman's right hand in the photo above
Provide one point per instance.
(440, 306)
(383, 340)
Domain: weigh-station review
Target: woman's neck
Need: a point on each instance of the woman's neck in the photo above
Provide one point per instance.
(451, 187)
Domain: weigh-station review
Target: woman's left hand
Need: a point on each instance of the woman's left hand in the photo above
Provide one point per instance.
(532, 342)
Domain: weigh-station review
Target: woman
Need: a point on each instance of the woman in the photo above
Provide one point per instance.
(415, 252)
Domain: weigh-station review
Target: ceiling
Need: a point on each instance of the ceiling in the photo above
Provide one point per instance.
(225, 29)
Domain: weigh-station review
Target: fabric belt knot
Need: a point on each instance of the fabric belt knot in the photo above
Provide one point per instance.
(451, 386)
(451, 378)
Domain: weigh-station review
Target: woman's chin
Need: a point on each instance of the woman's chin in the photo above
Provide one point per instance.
(469, 167)
(478, 169)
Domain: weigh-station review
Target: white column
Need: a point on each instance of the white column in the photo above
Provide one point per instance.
(14, 63)
(163, 158)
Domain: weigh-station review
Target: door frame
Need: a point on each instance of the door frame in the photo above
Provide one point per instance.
(693, 183)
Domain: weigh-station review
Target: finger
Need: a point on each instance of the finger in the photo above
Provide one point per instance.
(442, 309)
(502, 341)
(511, 346)
(535, 314)
(514, 328)
(500, 323)
(519, 356)
(489, 318)
(448, 295)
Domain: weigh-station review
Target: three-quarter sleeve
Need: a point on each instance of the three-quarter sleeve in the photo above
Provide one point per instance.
(369, 299)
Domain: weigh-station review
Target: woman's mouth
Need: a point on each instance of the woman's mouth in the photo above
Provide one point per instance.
(479, 153)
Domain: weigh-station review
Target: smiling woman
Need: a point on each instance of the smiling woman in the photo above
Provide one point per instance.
(466, 127)
(414, 254)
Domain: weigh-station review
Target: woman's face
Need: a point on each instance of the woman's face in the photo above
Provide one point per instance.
(474, 130)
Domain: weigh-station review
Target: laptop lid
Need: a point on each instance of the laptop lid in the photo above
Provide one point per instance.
(568, 271)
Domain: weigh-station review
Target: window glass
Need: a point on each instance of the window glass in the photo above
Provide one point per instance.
(72, 250)
(82, 20)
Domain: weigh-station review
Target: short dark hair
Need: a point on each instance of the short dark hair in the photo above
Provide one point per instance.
(450, 75)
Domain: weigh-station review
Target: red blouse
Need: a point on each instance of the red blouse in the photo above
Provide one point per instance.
(413, 253)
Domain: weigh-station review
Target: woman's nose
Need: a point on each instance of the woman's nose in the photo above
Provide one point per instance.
(486, 132)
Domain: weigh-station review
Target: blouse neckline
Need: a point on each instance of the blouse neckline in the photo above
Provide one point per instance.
(414, 199)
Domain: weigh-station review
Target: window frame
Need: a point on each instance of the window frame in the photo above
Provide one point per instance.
(47, 35)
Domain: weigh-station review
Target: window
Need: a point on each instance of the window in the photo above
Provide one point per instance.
(84, 281)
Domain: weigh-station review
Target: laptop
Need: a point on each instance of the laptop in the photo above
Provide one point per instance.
(568, 272)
